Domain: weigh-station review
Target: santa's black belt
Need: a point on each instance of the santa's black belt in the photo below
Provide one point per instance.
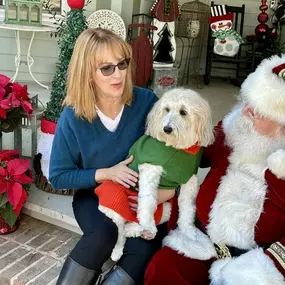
(224, 251)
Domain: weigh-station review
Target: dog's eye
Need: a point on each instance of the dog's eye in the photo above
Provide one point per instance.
(183, 112)
(167, 109)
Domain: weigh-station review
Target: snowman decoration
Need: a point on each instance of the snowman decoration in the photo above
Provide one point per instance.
(227, 41)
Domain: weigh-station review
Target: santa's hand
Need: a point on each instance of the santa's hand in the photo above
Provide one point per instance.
(133, 202)
(253, 267)
(276, 163)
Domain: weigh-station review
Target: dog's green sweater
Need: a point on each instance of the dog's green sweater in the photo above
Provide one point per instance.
(178, 165)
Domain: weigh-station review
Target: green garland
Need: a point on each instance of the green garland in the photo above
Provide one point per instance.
(69, 31)
(167, 7)
(223, 34)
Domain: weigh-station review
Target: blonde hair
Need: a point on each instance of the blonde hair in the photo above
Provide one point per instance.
(88, 53)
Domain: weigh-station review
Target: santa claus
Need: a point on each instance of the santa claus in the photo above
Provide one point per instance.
(234, 232)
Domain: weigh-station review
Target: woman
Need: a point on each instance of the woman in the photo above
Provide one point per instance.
(103, 116)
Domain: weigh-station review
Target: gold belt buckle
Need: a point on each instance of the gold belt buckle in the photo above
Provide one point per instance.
(222, 251)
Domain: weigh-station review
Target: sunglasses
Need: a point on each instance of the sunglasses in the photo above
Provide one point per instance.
(109, 69)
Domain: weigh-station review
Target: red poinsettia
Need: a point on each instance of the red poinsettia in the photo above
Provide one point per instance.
(15, 176)
(13, 95)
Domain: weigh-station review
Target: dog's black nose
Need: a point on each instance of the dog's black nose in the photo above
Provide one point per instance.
(167, 130)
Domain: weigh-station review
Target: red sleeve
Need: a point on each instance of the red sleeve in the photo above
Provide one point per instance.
(208, 151)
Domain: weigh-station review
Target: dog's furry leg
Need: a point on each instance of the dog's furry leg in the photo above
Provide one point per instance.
(187, 203)
(133, 230)
(120, 222)
(149, 176)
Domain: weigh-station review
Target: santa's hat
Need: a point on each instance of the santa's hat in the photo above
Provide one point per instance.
(219, 13)
(264, 89)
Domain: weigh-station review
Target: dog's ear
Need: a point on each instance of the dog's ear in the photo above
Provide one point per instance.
(204, 124)
(152, 117)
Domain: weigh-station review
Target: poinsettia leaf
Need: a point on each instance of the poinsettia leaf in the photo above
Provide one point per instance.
(4, 80)
(8, 215)
(27, 106)
(5, 104)
(8, 154)
(3, 172)
(14, 192)
(3, 187)
(22, 201)
(3, 200)
(23, 179)
(18, 166)
(3, 113)
(16, 87)
(14, 101)
(2, 92)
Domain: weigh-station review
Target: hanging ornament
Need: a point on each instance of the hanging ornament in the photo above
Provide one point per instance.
(75, 4)
(166, 10)
(262, 29)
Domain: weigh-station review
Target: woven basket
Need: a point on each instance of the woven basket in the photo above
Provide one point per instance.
(42, 183)
(6, 229)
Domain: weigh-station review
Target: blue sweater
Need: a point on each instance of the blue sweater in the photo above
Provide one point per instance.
(80, 147)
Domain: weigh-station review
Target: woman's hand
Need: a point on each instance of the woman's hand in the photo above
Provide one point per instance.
(119, 173)
(162, 196)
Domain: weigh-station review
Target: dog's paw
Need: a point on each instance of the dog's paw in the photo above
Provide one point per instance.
(117, 253)
(133, 230)
(148, 233)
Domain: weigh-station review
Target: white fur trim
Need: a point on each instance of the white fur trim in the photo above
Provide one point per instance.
(253, 267)
(44, 147)
(166, 212)
(240, 197)
(187, 239)
(276, 163)
(149, 176)
(241, 193)
(120, 222)
(192, 243)
(264, 90)
(215, 271)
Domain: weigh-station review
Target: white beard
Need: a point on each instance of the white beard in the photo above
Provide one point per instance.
(240, 196)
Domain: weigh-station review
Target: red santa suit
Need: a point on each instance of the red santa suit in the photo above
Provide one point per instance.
(238, 237)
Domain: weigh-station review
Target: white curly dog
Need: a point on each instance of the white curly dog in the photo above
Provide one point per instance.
(181, 118)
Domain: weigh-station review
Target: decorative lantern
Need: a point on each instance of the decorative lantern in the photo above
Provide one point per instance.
(23, 12)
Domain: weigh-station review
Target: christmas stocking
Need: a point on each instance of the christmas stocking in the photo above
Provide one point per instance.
(227, 41)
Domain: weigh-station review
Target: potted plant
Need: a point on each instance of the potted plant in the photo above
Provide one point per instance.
(15, 179)
(15, 175)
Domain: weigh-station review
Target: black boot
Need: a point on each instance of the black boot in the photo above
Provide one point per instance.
(73, 273)
(118, 276)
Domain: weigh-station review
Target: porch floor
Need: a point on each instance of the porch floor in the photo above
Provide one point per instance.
(34, 254)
